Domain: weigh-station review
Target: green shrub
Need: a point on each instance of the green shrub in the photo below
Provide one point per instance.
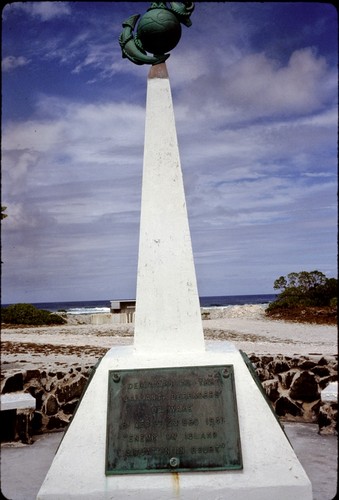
(304, 289)
(334, 302)
(27, 314)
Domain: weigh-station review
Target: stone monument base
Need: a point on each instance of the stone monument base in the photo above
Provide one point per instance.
(271, 469)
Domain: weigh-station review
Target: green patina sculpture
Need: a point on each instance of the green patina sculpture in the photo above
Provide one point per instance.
(158, 32)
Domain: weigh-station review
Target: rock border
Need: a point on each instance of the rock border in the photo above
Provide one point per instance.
(293, 387)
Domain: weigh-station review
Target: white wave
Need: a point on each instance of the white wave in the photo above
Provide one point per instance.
(88, 310)
(208, 308)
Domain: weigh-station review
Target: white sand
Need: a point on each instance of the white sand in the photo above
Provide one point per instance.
(250, 330)
(245, 326)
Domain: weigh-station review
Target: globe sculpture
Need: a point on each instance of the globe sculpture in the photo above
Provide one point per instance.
(158, 32)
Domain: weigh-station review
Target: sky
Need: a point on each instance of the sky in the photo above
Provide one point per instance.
(254, 87)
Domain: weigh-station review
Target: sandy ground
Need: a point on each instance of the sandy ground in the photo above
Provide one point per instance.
(244, 326)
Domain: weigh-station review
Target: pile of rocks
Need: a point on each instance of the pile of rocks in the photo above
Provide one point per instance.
(294, 384)
(57, 393)
(248, 311)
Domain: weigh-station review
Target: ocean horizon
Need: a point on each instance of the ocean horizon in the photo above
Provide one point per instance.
(103, 306)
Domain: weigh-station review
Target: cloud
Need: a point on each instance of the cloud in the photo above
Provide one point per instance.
(10, 63)
(257, 132)
(255, 87)
(260, 83)
(75, 164)
(253, 171)
(25, 217)
(43, 10)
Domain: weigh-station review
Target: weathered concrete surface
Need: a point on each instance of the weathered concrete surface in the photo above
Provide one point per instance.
(317, 454)
(271, 468)
(167, 315)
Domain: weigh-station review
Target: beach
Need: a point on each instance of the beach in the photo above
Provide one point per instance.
(245, 326)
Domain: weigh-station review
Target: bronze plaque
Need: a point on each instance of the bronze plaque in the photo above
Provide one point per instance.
(172, 419)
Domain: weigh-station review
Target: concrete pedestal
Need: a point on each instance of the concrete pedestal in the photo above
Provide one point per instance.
(271, 469)
(168, 333)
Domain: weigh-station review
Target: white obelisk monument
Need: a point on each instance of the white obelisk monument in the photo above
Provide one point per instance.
(168, 334)
(168, 316)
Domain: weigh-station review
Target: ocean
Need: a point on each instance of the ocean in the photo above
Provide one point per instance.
(103, 306)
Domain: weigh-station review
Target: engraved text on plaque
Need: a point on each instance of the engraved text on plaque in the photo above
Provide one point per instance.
(172, 419)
